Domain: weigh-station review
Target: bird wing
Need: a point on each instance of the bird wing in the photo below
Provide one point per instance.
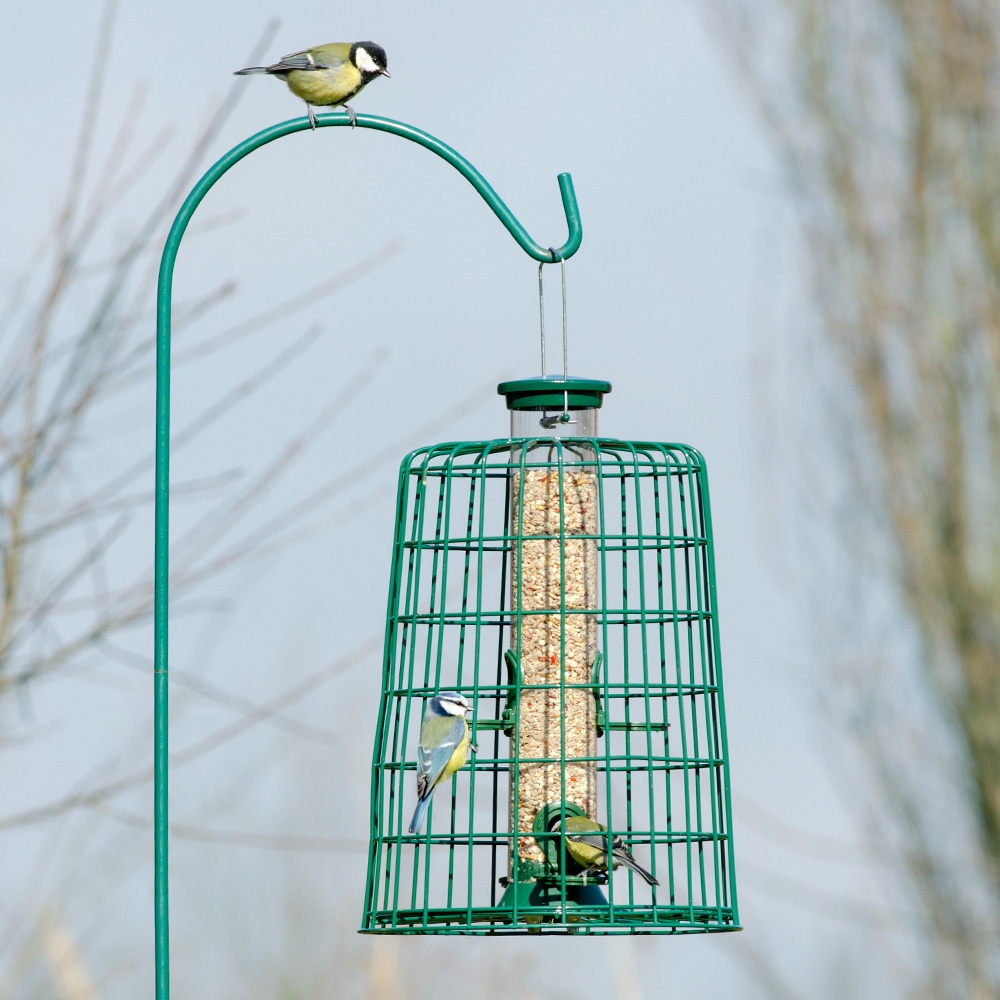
(308, 59)
(431, 761)
(598, 841)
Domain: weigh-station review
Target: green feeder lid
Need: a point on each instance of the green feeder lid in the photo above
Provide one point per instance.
(549, 392)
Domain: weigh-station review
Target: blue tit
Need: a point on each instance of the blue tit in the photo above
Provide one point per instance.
(328, 75)
(444, 746)
(587, 845)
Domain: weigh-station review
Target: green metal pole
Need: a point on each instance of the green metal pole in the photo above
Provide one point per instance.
(161, 561)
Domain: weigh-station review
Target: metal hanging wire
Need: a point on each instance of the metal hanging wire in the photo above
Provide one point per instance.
(562, 267)
(541, 312)
(564, 417)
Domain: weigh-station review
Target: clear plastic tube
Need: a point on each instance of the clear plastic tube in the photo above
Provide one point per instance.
(553, 423)
(554, 585)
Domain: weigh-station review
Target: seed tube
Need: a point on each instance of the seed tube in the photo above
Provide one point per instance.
(554, 581)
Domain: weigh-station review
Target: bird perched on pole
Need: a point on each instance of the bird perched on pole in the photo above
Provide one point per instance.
(444, 746)
(587, 844)
(328, 75)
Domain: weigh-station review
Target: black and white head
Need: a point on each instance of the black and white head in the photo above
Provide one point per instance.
(370, 59)
(450, 703)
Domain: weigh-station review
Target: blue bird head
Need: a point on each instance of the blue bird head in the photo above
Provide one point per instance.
(449, 703)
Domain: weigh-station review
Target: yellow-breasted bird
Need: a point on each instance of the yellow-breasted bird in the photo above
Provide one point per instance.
(444, 746)
(587, 845)
(328, 75)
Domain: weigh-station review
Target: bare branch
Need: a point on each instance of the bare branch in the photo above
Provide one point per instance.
(263, 320)
(95, 796)
(240, 838)
(886, 117)
(214, 693)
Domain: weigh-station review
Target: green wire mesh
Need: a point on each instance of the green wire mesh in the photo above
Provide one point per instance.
(633, 725)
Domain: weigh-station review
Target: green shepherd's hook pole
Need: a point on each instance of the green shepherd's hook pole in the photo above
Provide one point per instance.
(163, 309)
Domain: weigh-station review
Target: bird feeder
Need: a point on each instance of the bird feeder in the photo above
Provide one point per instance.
(565, 585)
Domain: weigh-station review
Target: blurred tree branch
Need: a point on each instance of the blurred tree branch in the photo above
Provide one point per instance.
(75, 338)
(249, 716)
(76, 358)
(884, 114)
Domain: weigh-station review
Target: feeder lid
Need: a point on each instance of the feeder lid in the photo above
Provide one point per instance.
(549, 392)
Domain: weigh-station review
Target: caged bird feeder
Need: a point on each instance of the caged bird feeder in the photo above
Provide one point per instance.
(565, 585)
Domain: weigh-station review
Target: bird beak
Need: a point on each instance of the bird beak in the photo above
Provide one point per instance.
(385, 73)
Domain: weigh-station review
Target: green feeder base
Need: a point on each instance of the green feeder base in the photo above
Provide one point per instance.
(539, 896)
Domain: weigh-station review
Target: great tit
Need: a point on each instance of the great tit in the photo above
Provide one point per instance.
(587, 845)
(328, 75)
(444, 746)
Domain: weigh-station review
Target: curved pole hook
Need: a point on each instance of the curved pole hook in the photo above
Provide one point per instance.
(162, 536)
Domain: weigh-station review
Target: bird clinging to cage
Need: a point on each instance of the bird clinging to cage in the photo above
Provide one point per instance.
(328, 75)
(444, 746)
(587, 844)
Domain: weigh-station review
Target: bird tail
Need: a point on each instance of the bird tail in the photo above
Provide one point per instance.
(623, 856)
(249, 70)
(418, 815)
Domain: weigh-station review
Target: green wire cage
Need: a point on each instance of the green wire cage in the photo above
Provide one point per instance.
(565, 585)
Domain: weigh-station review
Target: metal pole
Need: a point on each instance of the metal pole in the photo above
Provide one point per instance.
(161, 560)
